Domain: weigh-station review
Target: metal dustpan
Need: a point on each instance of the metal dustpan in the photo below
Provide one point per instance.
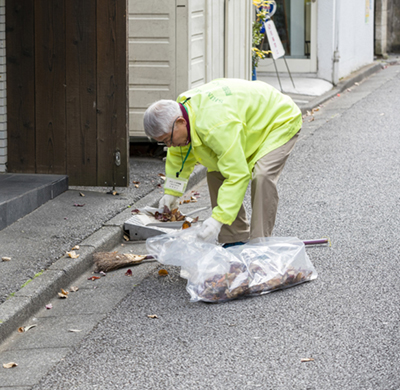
(143, 225)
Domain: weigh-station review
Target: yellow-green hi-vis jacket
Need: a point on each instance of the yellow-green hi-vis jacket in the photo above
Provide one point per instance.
(233, 123)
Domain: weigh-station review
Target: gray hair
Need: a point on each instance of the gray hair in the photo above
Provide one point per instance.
(159, 117)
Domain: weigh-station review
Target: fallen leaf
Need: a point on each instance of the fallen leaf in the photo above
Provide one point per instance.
(23, 329)
(74, 289)
(10, 365)
(162, 176)
(94, 278)
(76, 247)
(81, 194)
(79, 205)
(49, 306)
(312, 119)
(74, 330)
(186, 201)
(186, 225)
(152, 316)
(136, 182)
(129, 272)
(304, 360)
(136, 185)
(73, 255)
(135, 211)
(102, 273)
(6, 258)
(163, 272)
(63, 294)
(126, 238)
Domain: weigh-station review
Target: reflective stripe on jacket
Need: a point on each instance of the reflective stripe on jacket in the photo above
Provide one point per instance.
(233, 123)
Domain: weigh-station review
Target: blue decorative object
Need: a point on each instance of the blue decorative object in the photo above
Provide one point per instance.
(254, 74)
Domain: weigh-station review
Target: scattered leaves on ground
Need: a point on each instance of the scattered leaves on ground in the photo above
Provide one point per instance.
(126, 237)
(163, 272)
(63, 294)
(49, 306)
(94, 278)
(73, 255)
(162, 175)
(23, 329)
(75, 248)
(135, 211)
(152, 316)
(79, 204)
(81, 194)
(74, 289)
(129, 272)
(10, 365)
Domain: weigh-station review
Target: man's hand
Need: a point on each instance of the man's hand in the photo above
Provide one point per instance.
(210, 230)
(170, 201)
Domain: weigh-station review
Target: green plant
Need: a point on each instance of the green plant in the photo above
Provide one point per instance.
(262, 13)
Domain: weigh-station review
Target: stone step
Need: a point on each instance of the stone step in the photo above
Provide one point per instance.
(20, 194)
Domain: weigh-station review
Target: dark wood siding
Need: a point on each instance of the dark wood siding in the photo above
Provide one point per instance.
(67, 89)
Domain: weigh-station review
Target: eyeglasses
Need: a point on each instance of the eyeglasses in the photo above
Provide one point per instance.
(169, 143)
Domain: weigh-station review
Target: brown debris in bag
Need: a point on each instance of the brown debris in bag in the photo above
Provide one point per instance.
(219, 287)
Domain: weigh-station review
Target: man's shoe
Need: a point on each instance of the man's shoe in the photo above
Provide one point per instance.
(229, 244)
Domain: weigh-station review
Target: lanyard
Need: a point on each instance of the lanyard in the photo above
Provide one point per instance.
(184, 160)
(190, 148)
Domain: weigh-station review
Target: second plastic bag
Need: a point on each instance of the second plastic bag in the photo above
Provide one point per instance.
(216, 274)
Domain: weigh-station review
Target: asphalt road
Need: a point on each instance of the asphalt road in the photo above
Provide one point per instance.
(342, 181)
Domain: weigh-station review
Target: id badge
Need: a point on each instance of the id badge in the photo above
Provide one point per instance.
(175, 184)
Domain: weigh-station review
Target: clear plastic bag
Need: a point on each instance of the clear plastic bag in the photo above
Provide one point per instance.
(216, 274)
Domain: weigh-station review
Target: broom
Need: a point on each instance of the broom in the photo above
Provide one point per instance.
(110, 261)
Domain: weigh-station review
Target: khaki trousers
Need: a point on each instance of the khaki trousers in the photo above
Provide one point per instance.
(264, 196)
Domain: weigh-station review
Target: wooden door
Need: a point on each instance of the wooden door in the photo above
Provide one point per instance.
(67, 100)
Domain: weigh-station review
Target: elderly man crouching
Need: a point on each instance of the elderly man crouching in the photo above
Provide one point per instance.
(239, 130)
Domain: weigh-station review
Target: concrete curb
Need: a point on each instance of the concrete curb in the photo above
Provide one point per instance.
(344, 84)
(38, 292)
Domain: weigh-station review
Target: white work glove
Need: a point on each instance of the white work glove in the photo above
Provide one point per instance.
(210, 230)
(170, 201)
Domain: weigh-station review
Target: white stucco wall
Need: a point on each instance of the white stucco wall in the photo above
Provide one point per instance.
(355, 36)
(3, 100)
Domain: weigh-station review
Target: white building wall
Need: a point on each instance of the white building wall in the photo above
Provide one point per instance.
(325, 39)
(344, 24)
(3, 97)
(356, 36)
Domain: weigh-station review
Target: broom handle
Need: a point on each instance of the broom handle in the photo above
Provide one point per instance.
(318, 241)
